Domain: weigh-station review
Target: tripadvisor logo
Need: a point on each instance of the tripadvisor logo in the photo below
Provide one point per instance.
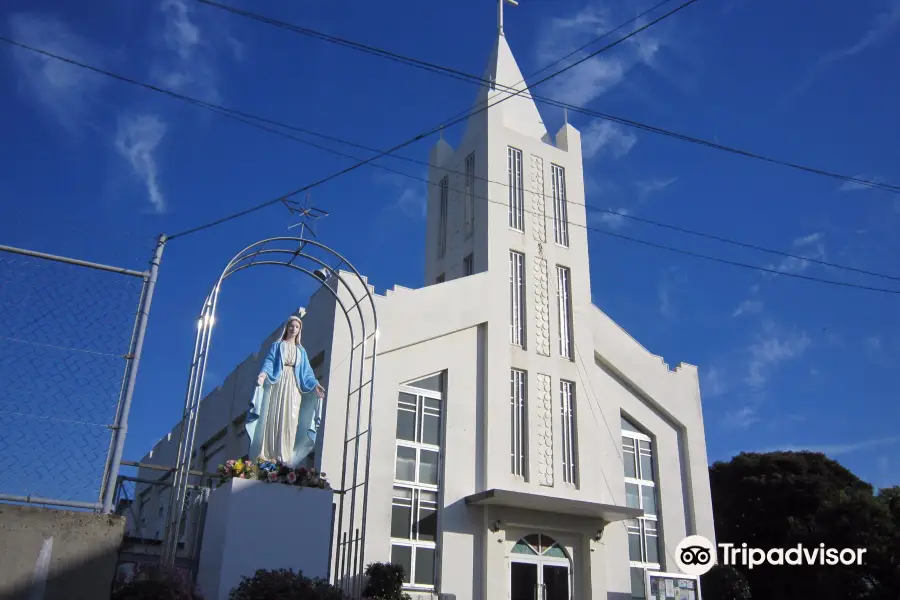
(696, 555)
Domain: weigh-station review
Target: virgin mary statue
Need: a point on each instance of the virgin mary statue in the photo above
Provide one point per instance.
(286, 409)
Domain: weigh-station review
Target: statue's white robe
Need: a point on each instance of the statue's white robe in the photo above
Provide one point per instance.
(310, 413)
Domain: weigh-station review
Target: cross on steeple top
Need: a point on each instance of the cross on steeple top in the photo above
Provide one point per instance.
(500, 4)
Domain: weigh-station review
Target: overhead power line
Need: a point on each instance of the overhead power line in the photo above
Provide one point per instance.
(474, 79)
(771, 270)
(255, 121)
(414, 62)
(400, 146)
(245, 118)
(648, 243)
(429, 132)
(584, 47)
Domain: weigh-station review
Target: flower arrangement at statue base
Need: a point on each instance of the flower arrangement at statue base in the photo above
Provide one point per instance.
(272, 471)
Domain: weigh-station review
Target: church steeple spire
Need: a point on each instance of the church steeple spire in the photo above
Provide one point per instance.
(500, 102)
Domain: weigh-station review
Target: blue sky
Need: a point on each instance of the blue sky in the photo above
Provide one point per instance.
(95, 169)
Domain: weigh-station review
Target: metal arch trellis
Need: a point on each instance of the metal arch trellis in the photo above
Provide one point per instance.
(349, 551)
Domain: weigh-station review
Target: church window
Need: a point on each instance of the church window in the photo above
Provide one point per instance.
(564, 310)
(539, 545)
(470, 194)
(517, 298)
(640, 492)
(415, 499)
(570, 448)
(469, 265)
(442, 225)
(519, 423)
(560, 206)
(516, 190)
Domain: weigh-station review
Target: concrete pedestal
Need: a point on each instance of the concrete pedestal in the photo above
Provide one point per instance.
(254, 525)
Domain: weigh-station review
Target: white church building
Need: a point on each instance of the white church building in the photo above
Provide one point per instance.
(520, 438)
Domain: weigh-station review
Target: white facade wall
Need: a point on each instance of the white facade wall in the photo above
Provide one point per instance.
(462, 328)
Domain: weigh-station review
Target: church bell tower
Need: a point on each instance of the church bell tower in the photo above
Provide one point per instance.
(508, 201)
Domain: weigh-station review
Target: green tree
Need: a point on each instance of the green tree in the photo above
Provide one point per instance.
(782, 499)
(284, 584)
(724, 582)
(384, 581)
(890, 499)
(152, 582)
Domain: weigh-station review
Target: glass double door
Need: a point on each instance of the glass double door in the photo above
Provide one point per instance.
(538, 581)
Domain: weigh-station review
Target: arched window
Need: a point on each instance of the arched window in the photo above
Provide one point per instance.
(539, 545)
(539, 568)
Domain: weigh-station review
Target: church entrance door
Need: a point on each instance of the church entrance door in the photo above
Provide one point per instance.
(539, 570)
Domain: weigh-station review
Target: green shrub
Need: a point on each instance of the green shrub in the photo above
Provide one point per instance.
(384, 581)
(151, 582)
(284, 584)
(724, 582)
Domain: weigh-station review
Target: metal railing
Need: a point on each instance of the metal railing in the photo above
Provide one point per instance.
(143, 503)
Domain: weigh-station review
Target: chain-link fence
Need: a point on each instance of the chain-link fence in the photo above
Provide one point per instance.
(68, 332)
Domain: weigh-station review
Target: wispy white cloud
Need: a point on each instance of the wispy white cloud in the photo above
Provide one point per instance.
(784, 421)
(665, 303)
(712, 382)
(137, 140)
(619, 217)
(876, 350)
(886, 477)
(412, 201)
(770, 349)
(597, 188)
(809, 246)
(873, 344)
(190, 63)
(602, 137)
(832, 450)
(852, 186)
(882, 26)
(180, 33)
(187, 62)
(748, 307)
(653, 186)
(238, 49)
(597, 75)
(64, 90)
(810, 239)
(668, 284)
(741, 417)
(614, 220)
(406, 196)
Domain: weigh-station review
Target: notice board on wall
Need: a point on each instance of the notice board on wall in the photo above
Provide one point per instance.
(672, 586)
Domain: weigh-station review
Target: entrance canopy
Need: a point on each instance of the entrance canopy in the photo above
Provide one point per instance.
(550, 504)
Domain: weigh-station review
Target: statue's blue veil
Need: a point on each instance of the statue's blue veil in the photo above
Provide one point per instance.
(310, 406)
